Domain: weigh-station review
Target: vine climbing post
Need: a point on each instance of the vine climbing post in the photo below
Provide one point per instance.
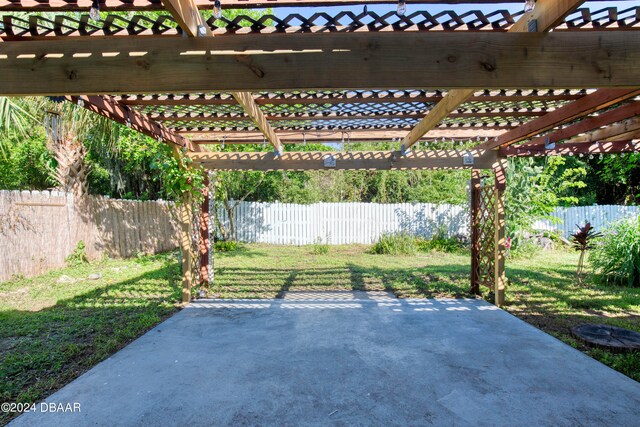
(186, 215)
(184, 183)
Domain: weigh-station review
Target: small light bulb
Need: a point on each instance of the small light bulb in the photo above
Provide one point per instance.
(529, 5)
(217, 9)
(402, 7)
(94, 12)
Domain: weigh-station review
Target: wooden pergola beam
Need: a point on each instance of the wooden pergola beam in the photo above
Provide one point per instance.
(571, 149)
(188, 17)
(546, 14)
(144, 5)
(449, 103)
(107, 107)
(83, 65)
(191, 21)
(356, 160)
(320, 136)
(625, 137)
(590, 123)
(586, 105)
(253, 111)
(614, 131)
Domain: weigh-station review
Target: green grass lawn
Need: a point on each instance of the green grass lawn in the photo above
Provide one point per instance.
(51, 331)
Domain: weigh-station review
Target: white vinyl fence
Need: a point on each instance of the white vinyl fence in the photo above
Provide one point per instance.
(344, 223)
(599, 217)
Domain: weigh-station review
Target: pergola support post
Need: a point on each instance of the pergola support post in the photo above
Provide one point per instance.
(500, 169)
(203, 244)
(186, 215)
(474, 188)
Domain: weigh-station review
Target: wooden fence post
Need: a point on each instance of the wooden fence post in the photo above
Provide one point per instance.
(500, 170)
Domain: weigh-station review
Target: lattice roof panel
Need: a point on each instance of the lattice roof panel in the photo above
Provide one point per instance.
(347, 110)
(345, 21)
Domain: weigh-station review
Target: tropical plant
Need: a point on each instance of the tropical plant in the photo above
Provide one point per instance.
(534, 189)
(583, 240)
(71, 131)
(14, 118)
(616, 257)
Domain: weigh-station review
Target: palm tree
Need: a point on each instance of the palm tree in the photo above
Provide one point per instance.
(71, 131)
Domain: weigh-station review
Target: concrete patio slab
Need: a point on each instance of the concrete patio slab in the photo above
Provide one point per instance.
(346, 358)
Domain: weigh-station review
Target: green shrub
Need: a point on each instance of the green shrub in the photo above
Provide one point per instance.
(441, 242)
(320, 248)
(78, 256)
(522, 248)
(225, 246)
(616, 257)
(401, 243)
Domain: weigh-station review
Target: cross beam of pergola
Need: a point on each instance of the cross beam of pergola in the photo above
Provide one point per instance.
(447, 90)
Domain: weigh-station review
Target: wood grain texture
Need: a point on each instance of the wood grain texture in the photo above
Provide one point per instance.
(548, 13)
(312, 61)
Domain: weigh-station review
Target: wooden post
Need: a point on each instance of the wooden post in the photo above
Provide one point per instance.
(185, 247)
(204, 235)
(500, 170)
(474, 208)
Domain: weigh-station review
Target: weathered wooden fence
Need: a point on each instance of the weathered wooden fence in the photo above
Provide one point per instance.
(38, 230)
(344, 223)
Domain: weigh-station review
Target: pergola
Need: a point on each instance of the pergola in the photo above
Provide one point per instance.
(555, 80)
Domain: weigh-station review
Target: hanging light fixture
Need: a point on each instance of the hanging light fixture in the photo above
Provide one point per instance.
(529, 5)
(217, 9)
(402, 7)
(52, 125)
(94, 12)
